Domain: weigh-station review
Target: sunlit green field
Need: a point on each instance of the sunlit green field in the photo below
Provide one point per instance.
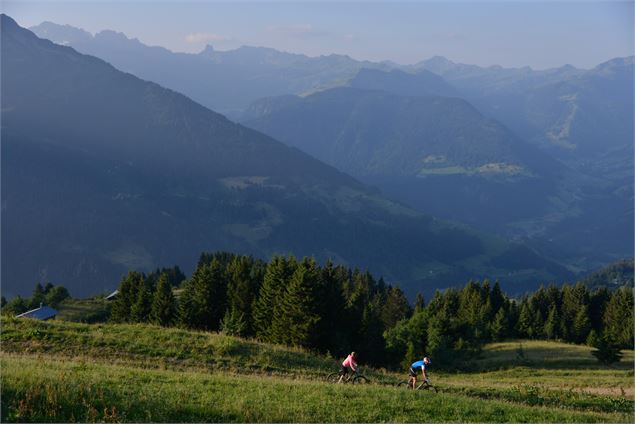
(59, 371)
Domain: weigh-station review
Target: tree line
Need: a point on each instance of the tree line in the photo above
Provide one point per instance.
(456, 323)
(48, 294)
(335, 309)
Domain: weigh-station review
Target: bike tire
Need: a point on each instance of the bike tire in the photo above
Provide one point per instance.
(333, 377)
(403, 384)
(360, 379)
(425, 386)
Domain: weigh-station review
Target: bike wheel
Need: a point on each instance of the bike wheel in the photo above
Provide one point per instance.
(403, 384)
(425, 386)
(360, 379)
(333, 377)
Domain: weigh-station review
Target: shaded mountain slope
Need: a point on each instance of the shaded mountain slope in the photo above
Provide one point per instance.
(575, 112)
(371, 132)
(421, 83)
(103, 172)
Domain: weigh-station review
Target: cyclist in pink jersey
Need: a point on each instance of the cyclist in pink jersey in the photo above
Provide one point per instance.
(348, 364)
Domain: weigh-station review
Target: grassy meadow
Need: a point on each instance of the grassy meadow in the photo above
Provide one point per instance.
(61, 371)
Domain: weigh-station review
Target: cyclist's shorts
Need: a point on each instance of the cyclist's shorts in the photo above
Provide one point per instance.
(343, 370)
(412, 372)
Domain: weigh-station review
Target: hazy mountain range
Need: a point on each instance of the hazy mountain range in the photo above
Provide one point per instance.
(567, 110)
(103, 172)
(226, 81)
(572, 111)
(442, 156)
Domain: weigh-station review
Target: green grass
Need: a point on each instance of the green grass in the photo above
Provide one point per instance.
(62, 371)
(158, 347)
(42, 389)
(90, 310)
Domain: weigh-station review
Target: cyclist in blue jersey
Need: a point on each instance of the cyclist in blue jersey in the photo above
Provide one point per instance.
(419, 365)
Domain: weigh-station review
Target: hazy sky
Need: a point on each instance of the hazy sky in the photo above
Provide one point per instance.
(511, 33)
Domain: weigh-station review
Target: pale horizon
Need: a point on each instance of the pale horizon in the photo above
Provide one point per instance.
(511, 35)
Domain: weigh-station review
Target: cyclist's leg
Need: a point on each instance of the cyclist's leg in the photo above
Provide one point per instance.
(343, 372)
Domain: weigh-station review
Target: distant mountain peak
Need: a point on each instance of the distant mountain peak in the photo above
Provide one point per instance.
(209, 49)
(110, 34)
(421, 83)
(8, 23)
(438, 60)
(62, 34)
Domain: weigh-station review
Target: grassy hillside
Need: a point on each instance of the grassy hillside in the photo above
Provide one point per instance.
(145, 373)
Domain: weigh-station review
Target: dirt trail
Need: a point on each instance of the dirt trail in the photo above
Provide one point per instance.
(628, 392)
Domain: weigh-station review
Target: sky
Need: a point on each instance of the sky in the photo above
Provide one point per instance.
(540, 34)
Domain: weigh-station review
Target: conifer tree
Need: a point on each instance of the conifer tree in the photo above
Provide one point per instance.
(295, 316)
(209, 297)
(37, 297)
(597, 305)
(497, 297)
(270, 293)
(439, 336)
(16, 306)
(552, 325)
(372, 329)
(163, 303)
(618, 317)
(126, 297)
(606, 351)
(500, 325)
(331, 335)
(233, 323)
(55, 295)
(581, 325)
(186, 309)
(419, 303)
(241, 289)
(525, 321)
(395, 307)
(142, 307)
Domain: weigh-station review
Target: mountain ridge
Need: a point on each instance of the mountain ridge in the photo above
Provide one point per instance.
(104, 172)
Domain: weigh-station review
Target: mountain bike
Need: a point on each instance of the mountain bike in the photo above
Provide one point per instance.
(425, 385)
(354, 378)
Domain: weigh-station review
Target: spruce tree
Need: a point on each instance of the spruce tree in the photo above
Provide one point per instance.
(270, 293)
(330, 335)
(186, 309)
(500, 326)
(440, 342)
(240, 290)
(142, 307)
(552, 325)
(419, 303)
(618, 318)
(395, 307)
(209, 297)
(233, 323)
(163, 304)
(524, 327)
(37, 297)
(126, 297)
(372, 329)
(607, 351)
(581, 325)
(295, 318)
